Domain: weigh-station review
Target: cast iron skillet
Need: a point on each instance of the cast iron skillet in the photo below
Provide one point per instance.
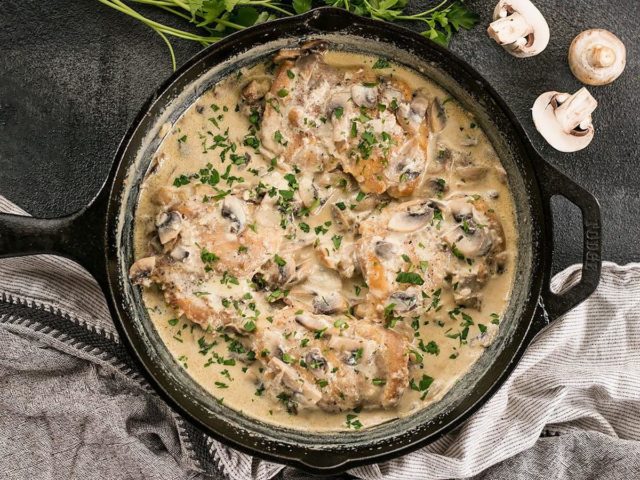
(99, 237)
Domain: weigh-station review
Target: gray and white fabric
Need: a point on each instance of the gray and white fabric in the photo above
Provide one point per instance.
(72, 405)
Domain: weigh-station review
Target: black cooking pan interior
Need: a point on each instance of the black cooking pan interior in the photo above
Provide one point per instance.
(100, 238)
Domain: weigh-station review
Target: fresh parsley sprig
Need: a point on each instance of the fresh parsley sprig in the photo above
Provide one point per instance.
(214, 19)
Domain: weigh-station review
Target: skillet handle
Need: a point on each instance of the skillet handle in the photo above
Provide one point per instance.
(552, 182)
(79, 236)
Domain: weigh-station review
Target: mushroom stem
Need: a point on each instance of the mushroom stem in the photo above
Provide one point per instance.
(601, 56)
(575, 110)
(509, 29)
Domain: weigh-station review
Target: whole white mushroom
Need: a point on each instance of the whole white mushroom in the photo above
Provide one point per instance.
(597, 57)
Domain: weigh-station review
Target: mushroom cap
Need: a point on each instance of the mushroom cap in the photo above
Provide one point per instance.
(547, 123)
(597, 57)
(535, 40)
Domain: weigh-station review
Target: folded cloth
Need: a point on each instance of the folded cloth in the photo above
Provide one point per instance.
(73, 405)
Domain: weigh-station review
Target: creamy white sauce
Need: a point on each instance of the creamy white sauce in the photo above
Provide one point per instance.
(181, 153)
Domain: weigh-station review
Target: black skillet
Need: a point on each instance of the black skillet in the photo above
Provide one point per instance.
(100, 238)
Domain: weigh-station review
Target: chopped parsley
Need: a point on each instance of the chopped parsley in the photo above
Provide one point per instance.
(431, 347)
(411, 278)
(353, 422)
(181, 180)
(381, 63)
(422, 386)
(281, 262)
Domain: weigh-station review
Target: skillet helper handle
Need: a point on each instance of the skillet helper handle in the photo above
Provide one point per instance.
(79, 236)
(552, 183)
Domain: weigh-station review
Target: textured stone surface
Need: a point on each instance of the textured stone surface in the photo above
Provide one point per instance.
(73, 74)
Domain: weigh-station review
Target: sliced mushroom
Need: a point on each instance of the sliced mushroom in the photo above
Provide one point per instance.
(140, 272)
(403, 301)
(256, 89)
(386, 250)
(293, 53)
(169, 225)
(315, 360)
(467, 289)
(344, 218)
(565, 120)
(311, 193)
(471, 242)
(312, 322)
(469, 171)
(179, 253)
(390, 94)
(436, 186)
(440, 158)
(519, 28)
(364, 96)
(329, 303)
(413, 217)
(437, 116)
(234, 211)
(418, 107)
(338, 100)
(597, 57)
(470, 237)
(345, 344)
(279, 273)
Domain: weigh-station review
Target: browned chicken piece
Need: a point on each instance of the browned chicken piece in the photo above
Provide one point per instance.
(294, 125)
(317, 117)
(312, 361)
(401, 255)
(196, 240)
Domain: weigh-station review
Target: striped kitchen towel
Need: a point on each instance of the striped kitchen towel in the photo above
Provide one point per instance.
(72, 405)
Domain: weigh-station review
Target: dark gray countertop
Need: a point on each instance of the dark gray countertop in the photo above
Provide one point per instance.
(73, 74)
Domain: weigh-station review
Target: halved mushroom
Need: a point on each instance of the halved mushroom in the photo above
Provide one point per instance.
(414, 216)
(597, 57)
(233, 210)
(169, 225)
(140, 272)
(564, 120)
(519, 28)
